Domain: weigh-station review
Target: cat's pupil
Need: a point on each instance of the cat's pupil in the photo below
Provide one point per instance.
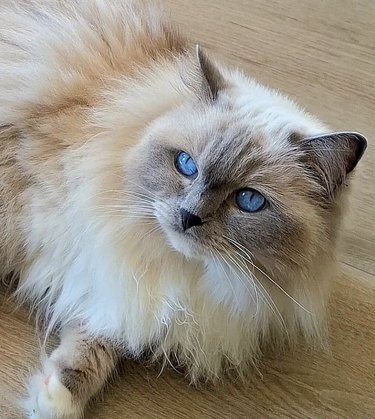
(185, 164)
(250, 200)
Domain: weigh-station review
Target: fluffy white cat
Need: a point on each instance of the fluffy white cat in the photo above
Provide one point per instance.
(154, 201)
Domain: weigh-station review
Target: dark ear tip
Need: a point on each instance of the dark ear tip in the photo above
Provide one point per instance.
(212, 75)
(362, 144)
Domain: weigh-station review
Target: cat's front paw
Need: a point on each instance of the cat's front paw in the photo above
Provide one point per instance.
(49, 398)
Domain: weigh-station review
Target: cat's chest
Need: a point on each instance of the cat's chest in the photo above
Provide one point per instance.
(137, 302)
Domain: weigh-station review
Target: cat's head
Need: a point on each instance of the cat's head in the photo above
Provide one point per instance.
(241, 172)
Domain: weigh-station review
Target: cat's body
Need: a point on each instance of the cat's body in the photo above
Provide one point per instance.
(96, 99)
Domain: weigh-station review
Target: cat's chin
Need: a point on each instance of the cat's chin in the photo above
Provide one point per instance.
(185, 244)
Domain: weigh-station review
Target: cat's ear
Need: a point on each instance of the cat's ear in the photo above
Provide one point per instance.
(331, 157)
(214, 80)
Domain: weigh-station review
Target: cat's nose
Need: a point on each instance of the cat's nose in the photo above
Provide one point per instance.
(189, 219)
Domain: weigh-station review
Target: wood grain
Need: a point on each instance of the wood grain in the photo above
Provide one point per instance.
(322, 53)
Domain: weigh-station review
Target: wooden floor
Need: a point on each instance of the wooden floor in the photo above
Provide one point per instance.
(322, 53)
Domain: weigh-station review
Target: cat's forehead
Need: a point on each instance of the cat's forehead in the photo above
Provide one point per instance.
(232, 137)
(227, 136)
(241, 144)
(234, 126)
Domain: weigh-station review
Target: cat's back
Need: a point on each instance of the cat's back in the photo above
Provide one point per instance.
(56, 53)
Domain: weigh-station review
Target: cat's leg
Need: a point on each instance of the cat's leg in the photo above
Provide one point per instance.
(74, 372)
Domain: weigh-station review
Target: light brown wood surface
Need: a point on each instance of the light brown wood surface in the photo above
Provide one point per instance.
(321, 52)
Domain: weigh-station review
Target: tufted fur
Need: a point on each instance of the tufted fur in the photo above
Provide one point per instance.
(96, 98)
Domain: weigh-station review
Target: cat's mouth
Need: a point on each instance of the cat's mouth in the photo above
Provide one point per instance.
(185, 243)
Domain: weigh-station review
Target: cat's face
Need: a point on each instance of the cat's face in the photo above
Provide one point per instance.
(235, 180)
(216, 183)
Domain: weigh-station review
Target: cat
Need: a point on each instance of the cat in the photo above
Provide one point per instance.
(153, 200)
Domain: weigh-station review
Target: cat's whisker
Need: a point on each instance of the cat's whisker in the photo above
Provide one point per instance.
(125, 215)
(239, 278)
(127, 205)
(135, 193)
(130, 208)
(255, 283)
(132, 217)
(266, 296)
(121, 194)
(251, 274)
(282, 290)
(124, 199)
(139, 196)
(129, 215)
(149, 193)
(222, 268)
(235, 264)
(248, 258)
(237, 244)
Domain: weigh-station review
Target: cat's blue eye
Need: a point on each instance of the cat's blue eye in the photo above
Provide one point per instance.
(185, 164)
(250, 200)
